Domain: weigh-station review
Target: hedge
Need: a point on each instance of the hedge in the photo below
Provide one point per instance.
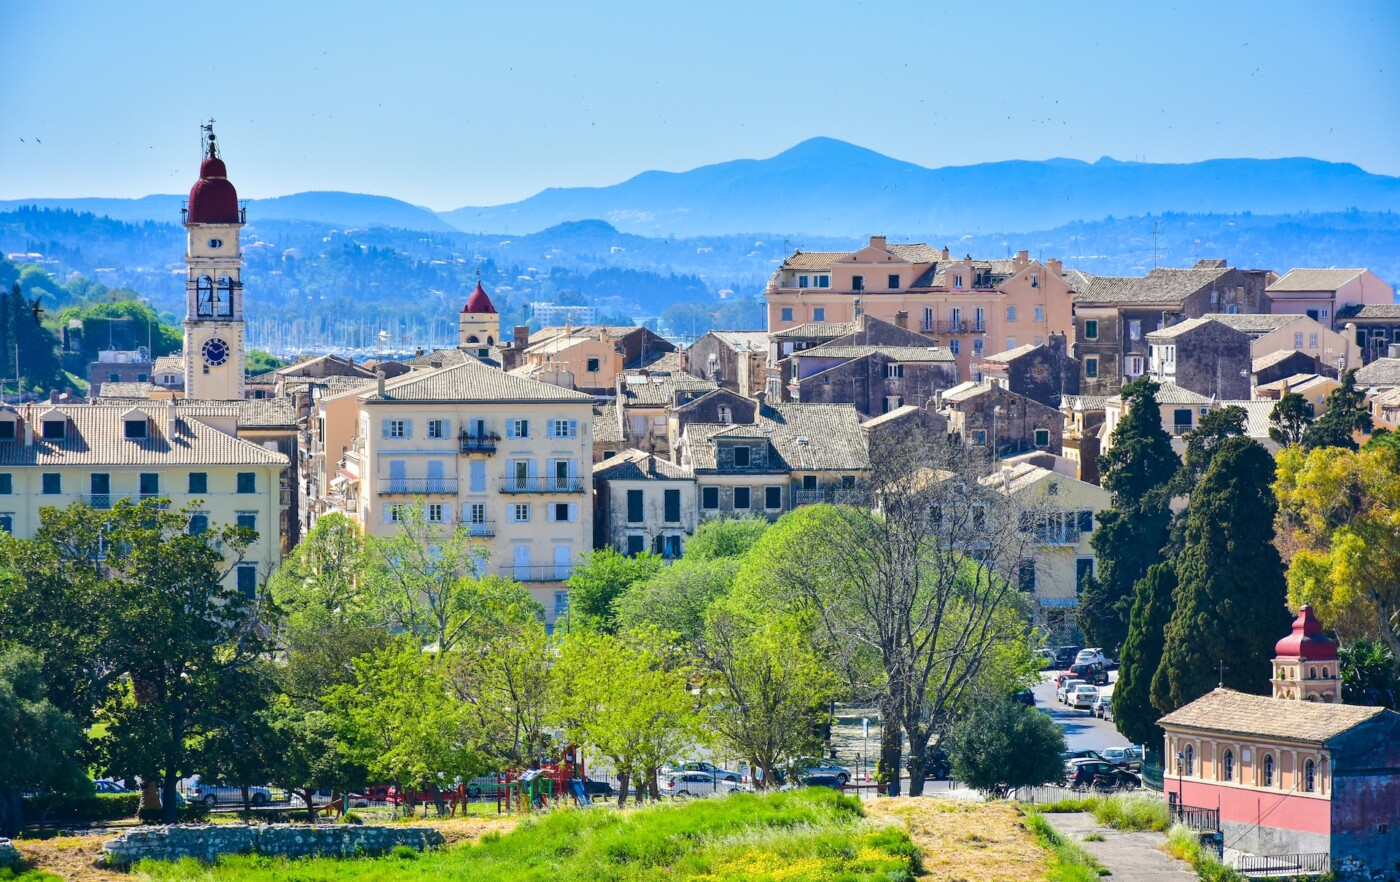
(96, 807)
(186, 814)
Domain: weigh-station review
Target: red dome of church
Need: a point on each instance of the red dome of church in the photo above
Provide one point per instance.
(479, 302)
(1306, 642)
(213, 200)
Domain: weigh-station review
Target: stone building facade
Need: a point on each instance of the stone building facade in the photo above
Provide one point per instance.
(1046, 373)
(987, 415)
(1203, 355)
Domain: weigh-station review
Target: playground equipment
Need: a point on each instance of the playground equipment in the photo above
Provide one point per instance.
(525, 790)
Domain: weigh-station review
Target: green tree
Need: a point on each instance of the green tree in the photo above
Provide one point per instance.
(322, 580)
(725, 538)
(260, 361)
(1203, 441)
(1383, 437)
(1369, 675)
(626, 698)
(1007, 745)
(122, 322)
(1133, 711)
(675, 598)
(596, 585)
(1230, 607)
(39, 744)
(22, 329)
(1346, 416)
(768, 689)
(1138, 472)
(1289, 419)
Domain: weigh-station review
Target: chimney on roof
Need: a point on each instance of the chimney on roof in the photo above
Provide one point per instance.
(878, 242)
(53, 396)
(681, 358)
(169, 418)
(901, 319)
(522, 336)
(1021, 260)
(947, 255)
(418, 352)
(859, 308)
(380, 376)
(1054, 266)
(760, 396)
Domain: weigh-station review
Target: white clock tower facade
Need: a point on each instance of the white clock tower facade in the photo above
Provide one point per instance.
(214, 354)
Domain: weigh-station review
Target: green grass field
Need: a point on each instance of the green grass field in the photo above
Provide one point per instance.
(802, 835)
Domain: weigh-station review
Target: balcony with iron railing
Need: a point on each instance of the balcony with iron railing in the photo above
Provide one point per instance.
(839, 495)
(418, 487)
(478, 443)
(537, 572)
(542, 485)
(480, 529)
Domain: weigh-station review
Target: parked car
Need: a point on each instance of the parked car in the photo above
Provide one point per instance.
(701, 766)
(1047, 658)
(693, 784)
(102, 785)
(1065, 655)
(823, 779)
(816, 766)
(598, 789)
(1090, 656)
(1127, 757)
(228, 794)
(1104, 775)
(1075, 756)
(1025, 696)
(1083, 697)
(937, 766)
(1090, 672)
(1067, 687)
(1103, 707)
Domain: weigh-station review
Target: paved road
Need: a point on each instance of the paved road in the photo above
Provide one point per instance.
(1128, 856)
(1083, 731)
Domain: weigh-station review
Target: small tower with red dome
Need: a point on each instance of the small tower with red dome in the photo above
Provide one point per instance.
(1305, 663)
(478, 324)
(214, 281)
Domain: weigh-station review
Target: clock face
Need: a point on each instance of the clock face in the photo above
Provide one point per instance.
(216, 352)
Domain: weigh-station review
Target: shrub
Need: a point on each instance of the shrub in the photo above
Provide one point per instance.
(1132, 812)
(351, 818)
(1184, 844)
(194, 813)
(90, 807)
(404, 853)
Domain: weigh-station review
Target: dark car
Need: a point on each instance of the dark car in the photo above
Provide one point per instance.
(1025, 696)
(1072, 755)
(822, 779)
(1092, 673)
(597, 789)
(937, 766)
(1064, 656)
(1103, 775)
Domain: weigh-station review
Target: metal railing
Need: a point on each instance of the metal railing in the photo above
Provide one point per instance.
(480, 528)
(1204, 820)
(418, 486)
(478, 443)
(542, 485)
(950, 327)
(834, 495)
(1283, 864)
(537, 572)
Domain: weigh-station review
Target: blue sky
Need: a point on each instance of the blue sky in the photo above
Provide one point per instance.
(452, 104)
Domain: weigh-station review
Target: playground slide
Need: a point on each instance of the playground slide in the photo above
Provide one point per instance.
(576, 787)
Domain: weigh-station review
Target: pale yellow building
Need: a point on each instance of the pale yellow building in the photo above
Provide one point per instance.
(505, 457)
(97, 454)
(974, 307)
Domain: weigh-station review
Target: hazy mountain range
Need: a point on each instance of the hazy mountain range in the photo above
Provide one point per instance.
(826, 187)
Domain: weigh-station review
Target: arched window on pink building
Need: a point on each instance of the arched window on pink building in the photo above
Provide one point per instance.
(1309, 777)
(1228, 764)
(1268, 770)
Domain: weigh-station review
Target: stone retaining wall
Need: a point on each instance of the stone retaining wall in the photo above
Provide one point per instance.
(208, 841)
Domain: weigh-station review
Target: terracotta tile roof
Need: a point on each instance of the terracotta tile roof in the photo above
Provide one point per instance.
(966, 391)
(898, 353)
(658, 389)
(1257, 412)
(895, 415)
(606, 429)
(1012, 354)
(1302, 280)
(817, 331)
(169, 364)
(96, 436)
(1264, 362)
(814, 260)
(803, 437)
(1171, 393)
(1371, 311)
(1381, 372)
(1085, 402)
(1237, 713)
(125, 390)
(266, 413)
(1162, 285)
(638, 465)
(1294, 381)
(744, 341)
(1258, 324)
(438, 358)
(470, 381)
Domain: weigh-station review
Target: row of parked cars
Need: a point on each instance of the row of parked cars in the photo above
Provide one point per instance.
(1114, 768)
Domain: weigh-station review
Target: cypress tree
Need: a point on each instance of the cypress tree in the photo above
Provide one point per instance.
(1346, 414)
(1133, 712)
(1231, 594)
(1137, 471)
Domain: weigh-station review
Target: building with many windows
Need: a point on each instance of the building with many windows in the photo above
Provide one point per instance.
(644, 503)
(506, 458)
(57, 455)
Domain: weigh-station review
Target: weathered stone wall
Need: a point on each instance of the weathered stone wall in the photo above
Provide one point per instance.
(208, 842)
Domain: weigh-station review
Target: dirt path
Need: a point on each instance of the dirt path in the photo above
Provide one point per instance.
(966, 842)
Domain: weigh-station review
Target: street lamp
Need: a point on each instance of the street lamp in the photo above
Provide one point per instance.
(1180, 766)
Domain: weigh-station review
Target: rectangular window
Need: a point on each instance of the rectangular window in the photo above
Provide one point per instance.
(7, 430)
(785, 313)
(709, 498)
(1039, 312)
(1010, 343)
(673, 506)
(1083, 570)
(438, 428)
(476, 513)
(517, 428)
(1085, 520)
(395, 428)
(1297, 339)
(1181, 419)
(561, 604)
(7, 522)
(857, 283)
(927, 324)
(248, 519)
(150, 484)
(1091, 329)
(394, 514)
(135, 429)
(520, 512)
(955, 346)
(1312, 341)
(636, 544)
(54, 430)
(435, 512)
(894, 371)
(199, 523)
(51, 483)
(563, 428)
(671, 546)
(593, 365)
(247, 482)
(957, 280)
(7, 484)
(199, 482)
(1026, 575)
(823, 281)
(562, 512)
(1042, 437)
(819, 313)
(1091, 367)
(248, 580)
(1011, 313)
(1035, 283)
(772, 498)
(894, 281)
(741, 497)
(635, 513)
(1135, 329)
(978, 344)
(801, 281)
(741, 457)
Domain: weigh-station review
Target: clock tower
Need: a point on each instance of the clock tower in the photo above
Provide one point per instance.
(213, 286)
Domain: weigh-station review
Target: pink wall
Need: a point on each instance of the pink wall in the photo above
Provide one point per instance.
(1247, 806)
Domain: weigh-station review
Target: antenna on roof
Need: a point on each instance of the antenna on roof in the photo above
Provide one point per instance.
(1156, 254)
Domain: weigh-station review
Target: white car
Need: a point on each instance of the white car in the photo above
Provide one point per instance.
(1062, 694)
(714, 771)
(1083, 696)
(693, 784)
(1090, 657)
(227, 794)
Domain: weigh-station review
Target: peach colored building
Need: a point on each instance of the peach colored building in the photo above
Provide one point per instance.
(973, 307)
(1321, 293)
(1298, 773)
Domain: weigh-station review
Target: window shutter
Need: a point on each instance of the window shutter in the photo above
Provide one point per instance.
(408, 428)
(532, 469)
(384, 428)
(573, 512)
(478, 476)
(549, 513)
(573, 469)
(573, 428)
(510, 428)
(388, 514)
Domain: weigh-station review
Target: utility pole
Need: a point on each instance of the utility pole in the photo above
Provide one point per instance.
(1156, 254)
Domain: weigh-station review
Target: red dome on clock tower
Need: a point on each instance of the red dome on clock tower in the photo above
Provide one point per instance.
(479, 302)
(213, 200)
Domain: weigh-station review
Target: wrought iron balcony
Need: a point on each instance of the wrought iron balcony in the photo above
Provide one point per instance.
(479, 443)
(542, 485)
(537, 572)
(418, 487)
(480, 529)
